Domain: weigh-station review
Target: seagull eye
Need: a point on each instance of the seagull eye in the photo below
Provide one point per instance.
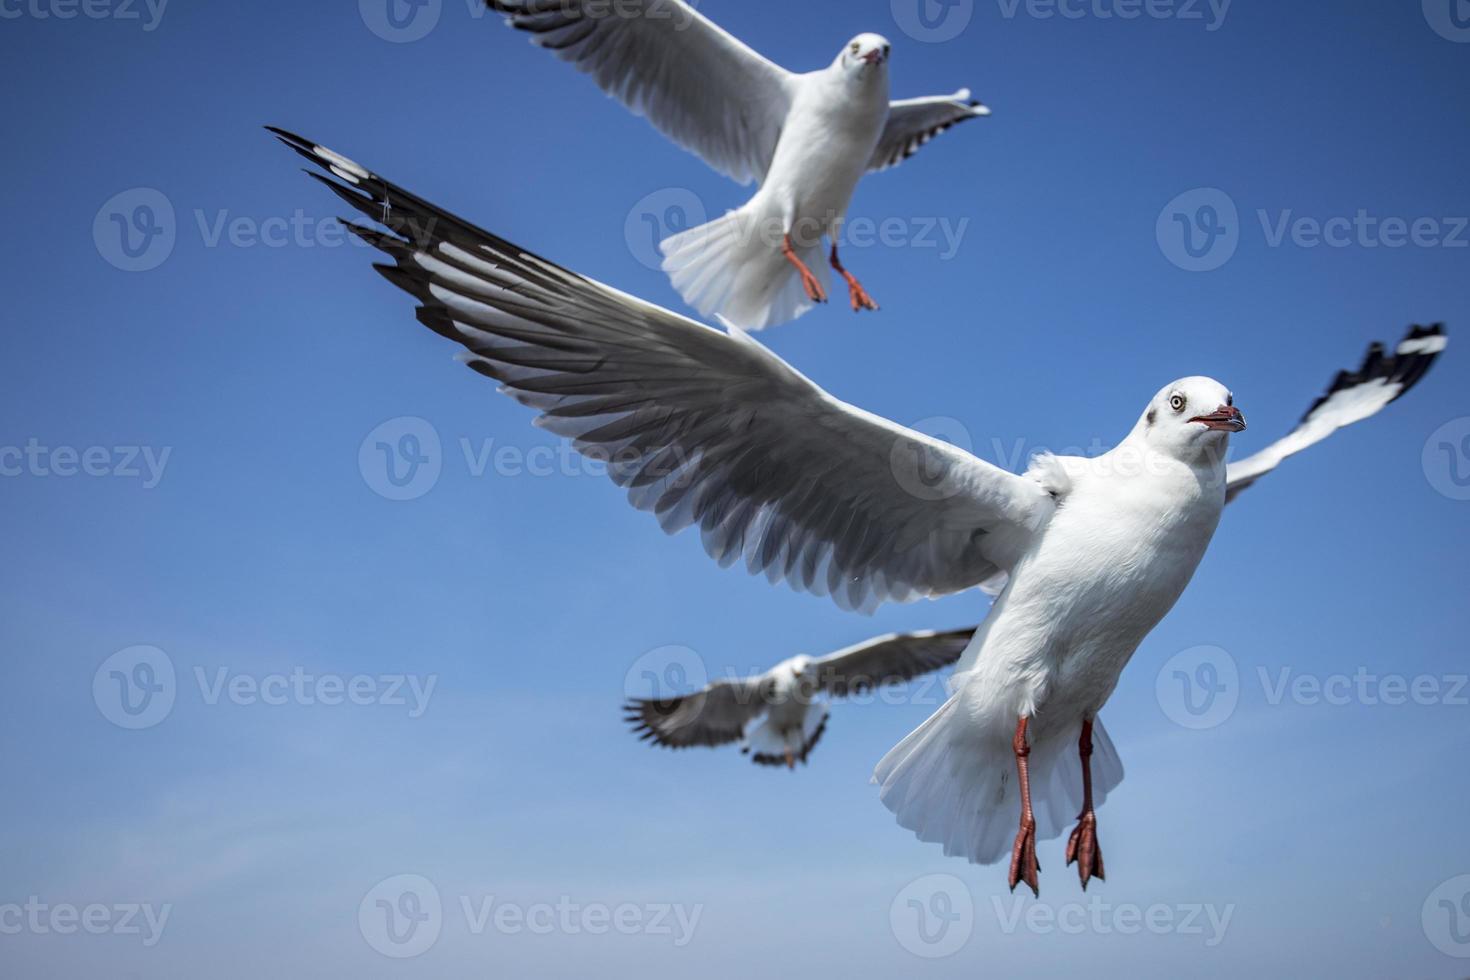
(856, 47)
(1176, 402)
(887, 48)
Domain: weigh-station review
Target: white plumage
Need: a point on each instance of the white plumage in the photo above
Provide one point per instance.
(806, 138)
(707, 428)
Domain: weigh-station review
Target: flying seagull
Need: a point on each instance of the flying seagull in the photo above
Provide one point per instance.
(778, 716)
(806, 138)
(706, 427)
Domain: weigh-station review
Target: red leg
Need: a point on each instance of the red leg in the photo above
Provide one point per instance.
(855, 291)
(808, 278)
(1082, 845)
(1023, 854)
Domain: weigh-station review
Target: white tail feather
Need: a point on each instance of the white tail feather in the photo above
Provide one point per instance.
(729, 268)
(952, 788)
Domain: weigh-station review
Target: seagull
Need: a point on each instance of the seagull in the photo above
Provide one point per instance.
(777, 716)
(805, 138)
(708, 427)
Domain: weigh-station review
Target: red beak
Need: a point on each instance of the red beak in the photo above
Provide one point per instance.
(1226, 418)
(873, 57)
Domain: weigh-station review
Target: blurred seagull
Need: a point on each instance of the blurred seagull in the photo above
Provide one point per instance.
(777, 716)
(711, 428)
(806, 138)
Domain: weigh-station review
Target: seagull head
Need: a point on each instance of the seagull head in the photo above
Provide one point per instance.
(1191, 417)
(865, 54)
(797, 676)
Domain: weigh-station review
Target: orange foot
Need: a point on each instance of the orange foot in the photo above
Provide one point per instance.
(1082, 848)
(855, 292)
(1023, 858)
(814, 290)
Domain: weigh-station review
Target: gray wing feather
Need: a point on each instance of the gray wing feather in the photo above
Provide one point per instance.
(698, 84)
(716, 715)
(914, 122)
(890, 659)
(703, 427)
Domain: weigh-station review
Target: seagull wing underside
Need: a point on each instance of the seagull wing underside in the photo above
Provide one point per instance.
(702, 427)
(698, 84)
(890, 659)
(716, 715)
(914, 122)
(1352, 397)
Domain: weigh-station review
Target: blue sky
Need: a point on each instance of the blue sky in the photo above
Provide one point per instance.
(223, 395)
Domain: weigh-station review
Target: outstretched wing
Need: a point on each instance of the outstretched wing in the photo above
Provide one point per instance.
(714, 716)
(1352, 397)
(698, 84)
(890, 659)
(914, 122)
(700, 426)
